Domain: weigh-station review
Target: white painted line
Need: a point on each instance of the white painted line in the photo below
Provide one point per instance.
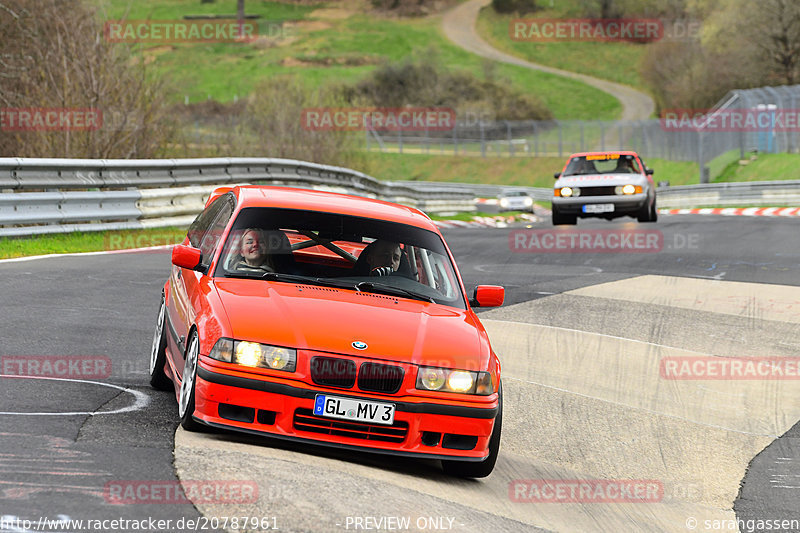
(142, 399)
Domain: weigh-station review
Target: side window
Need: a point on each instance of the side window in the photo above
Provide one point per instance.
(205, 219)
(211, 238)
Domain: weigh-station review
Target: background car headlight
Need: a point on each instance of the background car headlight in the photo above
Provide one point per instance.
(567, 192)
(503, 202)
(255, 354)
(451, 380)
(628, 189)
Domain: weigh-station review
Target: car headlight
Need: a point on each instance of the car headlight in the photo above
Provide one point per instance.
(503, 202)
(567, 192)
(527, 201)
(628, 189)
(450, 380)
(255, 354)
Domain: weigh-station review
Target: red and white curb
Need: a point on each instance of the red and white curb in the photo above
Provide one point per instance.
(737, 211)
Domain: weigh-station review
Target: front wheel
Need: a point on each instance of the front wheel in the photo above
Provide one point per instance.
(158, 351)
(186, 397)
(564, 220)
(485, 467)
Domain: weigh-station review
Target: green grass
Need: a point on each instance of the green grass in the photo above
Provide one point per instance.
(88, 242)
(765, 167)
(614, 61)
(522, 171)
(329, 50)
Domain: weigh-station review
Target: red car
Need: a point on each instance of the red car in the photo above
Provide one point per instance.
(329, 319)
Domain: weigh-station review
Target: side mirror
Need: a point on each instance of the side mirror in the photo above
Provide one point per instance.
(648, 171)
(488, 296)
(186, 256)
(557, 175)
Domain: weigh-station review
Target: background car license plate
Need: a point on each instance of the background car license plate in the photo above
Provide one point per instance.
(598, 208)
(350, 409)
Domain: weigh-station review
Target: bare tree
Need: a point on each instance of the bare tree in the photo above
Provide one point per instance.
(55, 56)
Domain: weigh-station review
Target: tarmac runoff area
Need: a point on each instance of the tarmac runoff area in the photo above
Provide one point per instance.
(589, 406)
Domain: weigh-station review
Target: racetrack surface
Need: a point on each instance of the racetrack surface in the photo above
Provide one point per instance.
(581, 339)
(459, 26)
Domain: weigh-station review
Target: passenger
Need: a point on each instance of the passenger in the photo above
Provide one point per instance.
(383, 257)
(254, 252)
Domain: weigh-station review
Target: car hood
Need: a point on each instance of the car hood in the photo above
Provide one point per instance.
(600, 180)
(329, 320)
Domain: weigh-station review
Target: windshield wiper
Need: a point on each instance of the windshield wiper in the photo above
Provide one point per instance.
(293, 278)
(371, 286)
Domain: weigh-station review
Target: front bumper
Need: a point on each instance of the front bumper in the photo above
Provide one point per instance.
(285, 410)
(623, 205)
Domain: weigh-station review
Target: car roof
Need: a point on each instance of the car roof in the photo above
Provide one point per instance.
(604, 152)
(329, 202)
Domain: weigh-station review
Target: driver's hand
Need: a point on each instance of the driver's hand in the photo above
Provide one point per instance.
(381, 271)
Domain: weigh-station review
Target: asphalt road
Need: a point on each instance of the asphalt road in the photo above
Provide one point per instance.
(101, 308)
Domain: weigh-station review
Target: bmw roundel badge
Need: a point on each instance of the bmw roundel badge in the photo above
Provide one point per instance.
(358, 345)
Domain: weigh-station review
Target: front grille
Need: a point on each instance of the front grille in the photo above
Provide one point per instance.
(375, 377)
(333, 372)
(597, 191)
(305, 420)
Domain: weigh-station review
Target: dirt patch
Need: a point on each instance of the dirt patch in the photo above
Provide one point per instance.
(307, 25)
(342, 61)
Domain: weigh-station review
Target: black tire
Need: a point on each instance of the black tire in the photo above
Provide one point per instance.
(485, 467)
(644, 213)
(654, 212)
(564, 220)
(158, 352)
(186, 396)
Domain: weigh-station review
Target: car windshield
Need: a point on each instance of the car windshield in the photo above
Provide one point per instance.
(602, 164)
(510, 194)
(330, 249)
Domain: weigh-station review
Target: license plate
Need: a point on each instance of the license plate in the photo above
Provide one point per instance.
(351, 409)
(598, 208)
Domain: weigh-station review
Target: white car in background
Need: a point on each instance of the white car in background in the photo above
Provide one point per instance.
(515, 200)
(604, 185)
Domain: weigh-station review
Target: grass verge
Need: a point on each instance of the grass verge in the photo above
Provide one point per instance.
(63, 243)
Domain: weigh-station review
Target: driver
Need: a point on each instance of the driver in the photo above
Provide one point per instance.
(383, 258)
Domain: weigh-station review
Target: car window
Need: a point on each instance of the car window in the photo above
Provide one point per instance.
(602, 164)
(344, 251)
(200, 226)
(212, 236)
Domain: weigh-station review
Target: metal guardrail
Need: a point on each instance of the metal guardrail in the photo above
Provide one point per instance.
(95, 195)
(757, 193)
